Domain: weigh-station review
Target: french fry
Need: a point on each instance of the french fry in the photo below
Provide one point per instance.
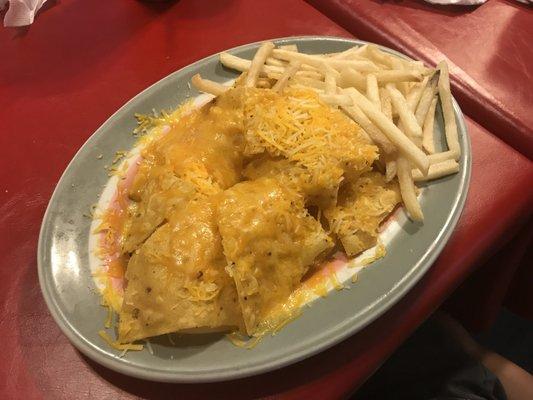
(450, 126)
(275, 62)
(390, 170)
(386, 109)
(352, 78)
(418, 65)
(207, 86)
(284, 79)
(408, 189)
(242, 65)
(330, 81)
(377, 55)
(318, 61)
(426, 98)
(386, 105)
(270, 71)
(307, 67)
(336, 99)
(399, 65)
(257, 63)
(396, 136)
(355, 113)
(372, 90)
(438, 170)
(439, 157)
(304, 87)
(413, 98)
(391, 60)
(418, 142)
(428, 142)
(407, 117)
(394, 76)
(303, 74)
(361, 50)
(313, 83)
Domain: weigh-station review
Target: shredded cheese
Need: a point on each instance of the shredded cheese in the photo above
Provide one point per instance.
(299, 127)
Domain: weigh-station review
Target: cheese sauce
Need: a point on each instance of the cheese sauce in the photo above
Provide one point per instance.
(190, 155)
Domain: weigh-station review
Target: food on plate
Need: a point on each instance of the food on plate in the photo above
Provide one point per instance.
(270, 242)
(176, 279)
(225, 210)
(362, 205)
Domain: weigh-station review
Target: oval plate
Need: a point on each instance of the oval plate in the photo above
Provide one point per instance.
(72, 298)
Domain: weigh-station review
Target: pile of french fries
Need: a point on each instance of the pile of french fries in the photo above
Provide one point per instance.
(393, 100)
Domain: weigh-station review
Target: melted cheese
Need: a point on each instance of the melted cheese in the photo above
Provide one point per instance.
(269, 241)
(362, 206)
(322, 142)
(319, 190)
(177, 281)
(210, 252)
(200, 156)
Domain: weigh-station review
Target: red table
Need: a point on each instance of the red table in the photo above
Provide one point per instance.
(73, 68)
(488, 48)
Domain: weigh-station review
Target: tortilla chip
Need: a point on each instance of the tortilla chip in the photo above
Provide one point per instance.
(177, 281)
(362, 206)
(318, 189)
(200, 156)
(161, 195)
(319, 145)
(270, 241)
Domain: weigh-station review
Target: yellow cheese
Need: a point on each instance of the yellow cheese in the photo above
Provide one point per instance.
(200, 156)
(177, 281)
(210, 251)
(362, 206)
(317, 138)
(270, 241)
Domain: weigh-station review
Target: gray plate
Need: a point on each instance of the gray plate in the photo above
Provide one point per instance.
(71, 296)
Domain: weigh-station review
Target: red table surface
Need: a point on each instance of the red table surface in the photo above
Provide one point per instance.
(79, 63)
(488, 48)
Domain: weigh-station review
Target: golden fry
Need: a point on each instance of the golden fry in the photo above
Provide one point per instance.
(386, 105)
(284, 79)
(390, 170)
(207, 86)
(408, 190)
(319, 61)
(439, 157)
(428, 141)
(372, 90)
(257, 63)
(352, 78)
(426, 98)
(415, 94)
(407, 117)
(355, 113)
(330, 81)
(395, 76)
(436, 171)
(450, 126)
(396, 136)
